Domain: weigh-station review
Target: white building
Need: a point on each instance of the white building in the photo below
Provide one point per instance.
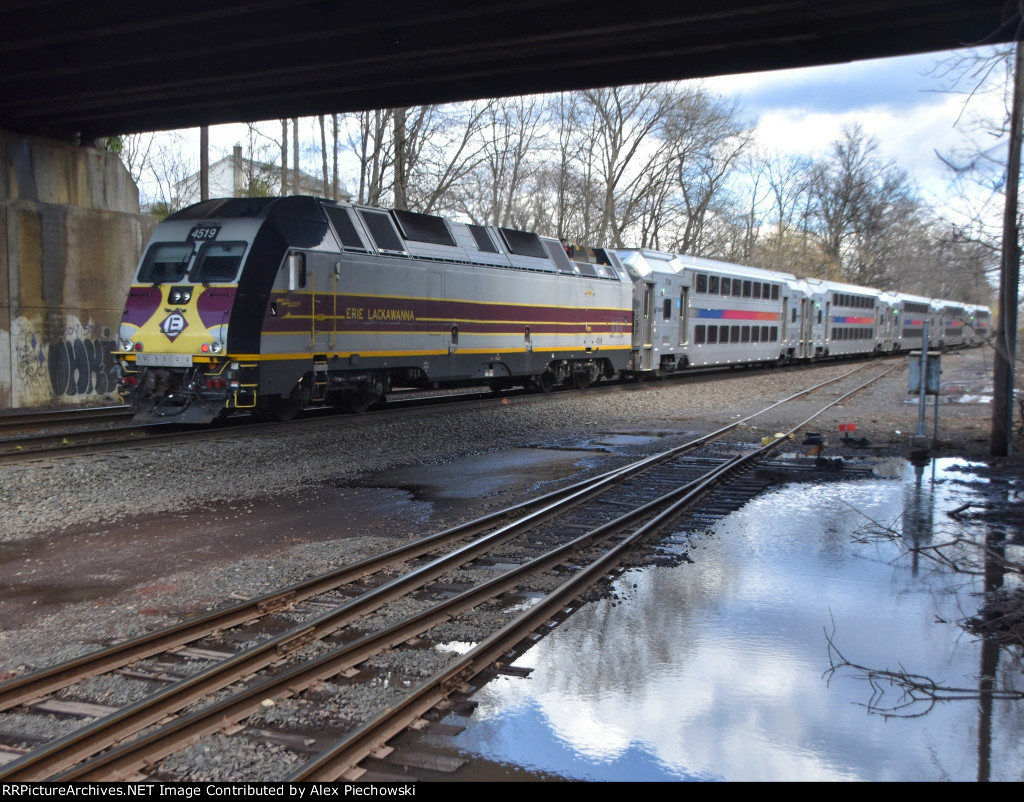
(235, 176)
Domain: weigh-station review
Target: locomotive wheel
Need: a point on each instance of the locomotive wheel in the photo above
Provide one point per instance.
(546, 381)
(284, 409)
(581, 380)
(356, 401)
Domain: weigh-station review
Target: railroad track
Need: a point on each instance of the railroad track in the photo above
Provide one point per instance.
(15, 426)
(32, 436)
(524, 566)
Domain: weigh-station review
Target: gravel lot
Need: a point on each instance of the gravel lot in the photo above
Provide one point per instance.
(107, 547)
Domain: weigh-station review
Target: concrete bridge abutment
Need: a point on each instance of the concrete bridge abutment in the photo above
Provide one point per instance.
(70, 237)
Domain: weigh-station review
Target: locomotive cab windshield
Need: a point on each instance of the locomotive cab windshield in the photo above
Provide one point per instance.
(205, 263)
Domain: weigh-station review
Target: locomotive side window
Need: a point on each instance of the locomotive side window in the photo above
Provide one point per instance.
(344, 227)
(218, 261)
(745, 334)
(382, 230)
(423, 227)
(775, 292)
(713, 285)
(483, 239)
(702, 282)
(794, 315)
(667, 309)
(726, 286)
(165, 261)
(712, 335)
(737, 288)
(757, 289)
(556, 253)
(746, 289)
(735, 334)
(523, 243)
(699, 334)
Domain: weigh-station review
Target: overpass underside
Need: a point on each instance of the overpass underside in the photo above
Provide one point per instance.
(85, 70)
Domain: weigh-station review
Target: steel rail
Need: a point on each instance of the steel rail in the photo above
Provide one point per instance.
(116, 726)
(153, 746)
(72, 748)
(344, 755)
(91, 442)
(38, 683)
(58, 417)
(121, 761)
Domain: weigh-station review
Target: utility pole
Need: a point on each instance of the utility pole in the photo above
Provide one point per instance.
(1001, 443)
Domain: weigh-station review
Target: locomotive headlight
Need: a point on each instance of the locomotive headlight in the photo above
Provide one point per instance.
(217, 347)
(126, 345)
(180, 295)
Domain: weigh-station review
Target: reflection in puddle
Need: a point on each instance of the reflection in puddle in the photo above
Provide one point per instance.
(716, 670)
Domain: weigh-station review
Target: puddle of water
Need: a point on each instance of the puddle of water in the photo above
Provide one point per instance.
(462, 484)
(717, 669)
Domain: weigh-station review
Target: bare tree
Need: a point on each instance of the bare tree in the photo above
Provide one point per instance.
(371, 142)
(284, 157)
(174, 176)
(296, 170)
(401, 164)
(857, 200)
(323, 155)
(510, 139)
(335, 190)
(135, 152)
(621, 123)
(706, 138)
(443, 148)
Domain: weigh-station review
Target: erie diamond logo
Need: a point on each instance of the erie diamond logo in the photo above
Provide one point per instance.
(173, 325)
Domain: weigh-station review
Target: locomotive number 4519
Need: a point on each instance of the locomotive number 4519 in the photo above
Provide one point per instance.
(203, 233)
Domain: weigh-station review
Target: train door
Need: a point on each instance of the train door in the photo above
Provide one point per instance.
(684, 316)
(806, 347)
(827, 328)
(321, 285)
(647, 322)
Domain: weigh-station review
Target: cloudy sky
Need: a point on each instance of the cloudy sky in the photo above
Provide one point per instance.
(901, 102)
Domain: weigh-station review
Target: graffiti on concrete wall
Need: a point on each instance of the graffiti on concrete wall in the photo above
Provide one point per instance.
(70, 367)
(30, 365)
